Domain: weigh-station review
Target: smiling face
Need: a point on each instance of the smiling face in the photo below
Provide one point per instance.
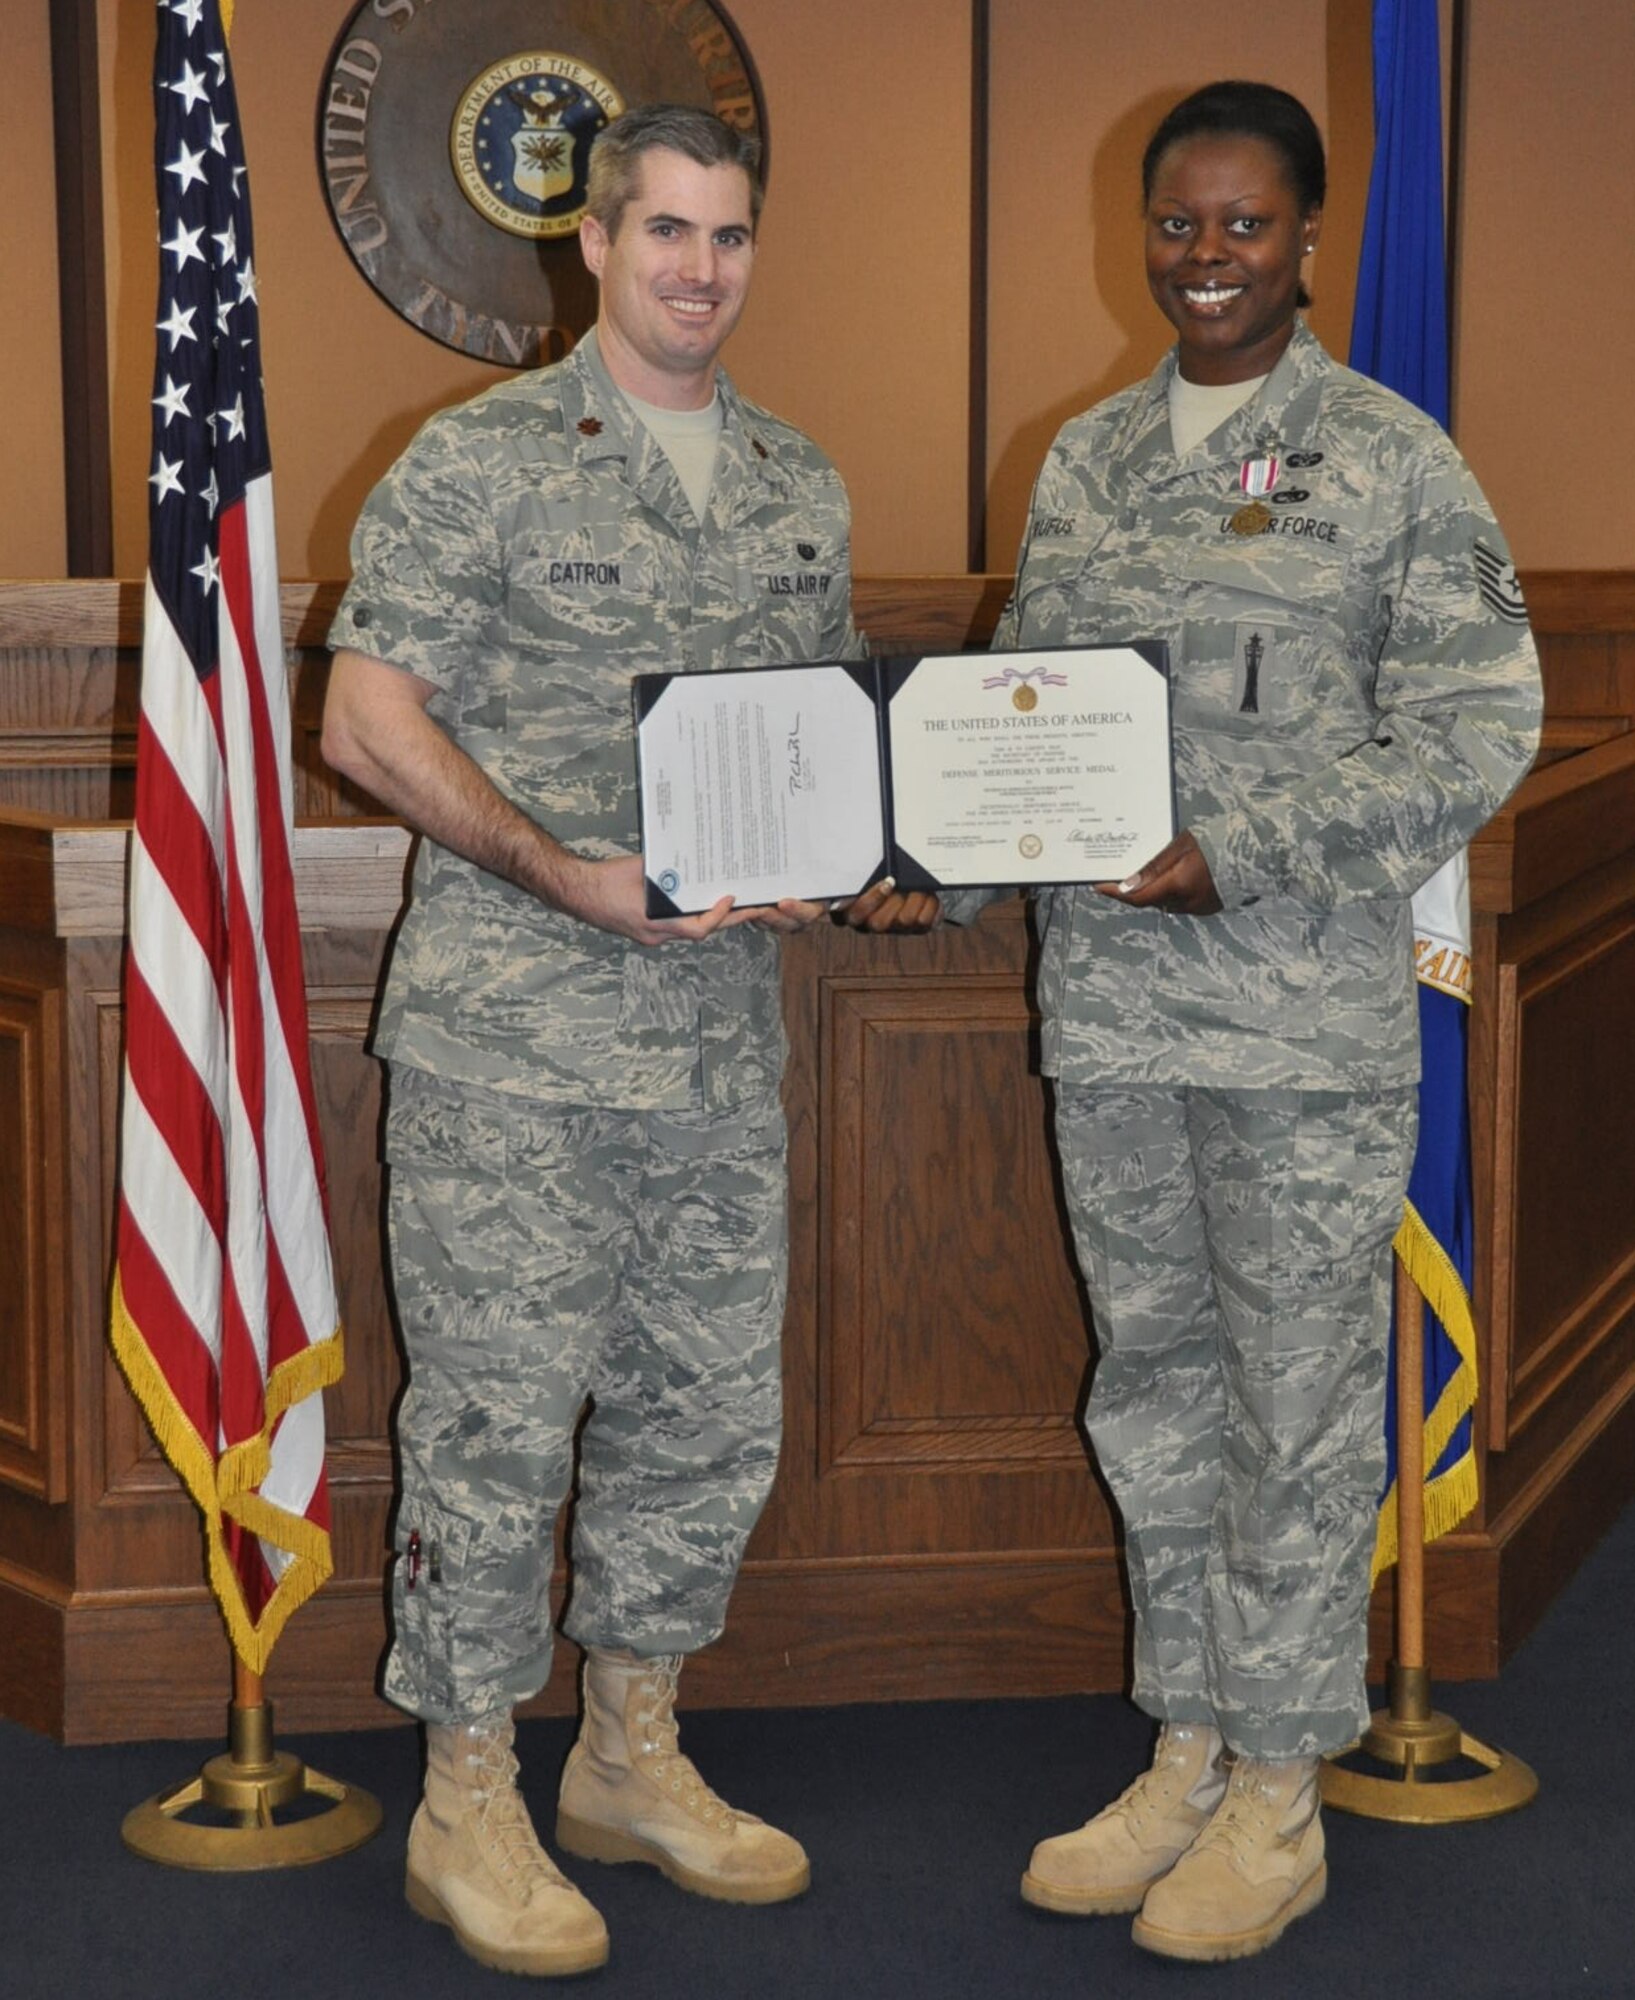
(1225, 236)
(674, 278)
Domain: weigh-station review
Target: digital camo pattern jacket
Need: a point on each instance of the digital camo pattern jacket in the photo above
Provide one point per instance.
(1355, 692)
(529, 554)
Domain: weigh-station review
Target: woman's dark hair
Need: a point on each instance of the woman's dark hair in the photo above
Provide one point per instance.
(1247, 111)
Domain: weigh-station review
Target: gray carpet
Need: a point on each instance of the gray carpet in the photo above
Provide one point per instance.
(919, 1821)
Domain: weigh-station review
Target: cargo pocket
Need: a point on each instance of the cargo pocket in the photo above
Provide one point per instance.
(429, 1573)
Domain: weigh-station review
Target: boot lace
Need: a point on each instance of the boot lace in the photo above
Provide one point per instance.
(660, 1746)
(509, 1840)
(1249, 1817)
(1155, 1793)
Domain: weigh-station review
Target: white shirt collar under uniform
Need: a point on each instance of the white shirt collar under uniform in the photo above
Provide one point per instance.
(1198, 409)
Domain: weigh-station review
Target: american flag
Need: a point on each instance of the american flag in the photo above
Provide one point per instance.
(224, 1315)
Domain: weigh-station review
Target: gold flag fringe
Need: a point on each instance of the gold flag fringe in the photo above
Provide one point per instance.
(1451, 1495)
(225, 1490)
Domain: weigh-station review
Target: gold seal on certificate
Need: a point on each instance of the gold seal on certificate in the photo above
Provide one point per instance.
(954, 770)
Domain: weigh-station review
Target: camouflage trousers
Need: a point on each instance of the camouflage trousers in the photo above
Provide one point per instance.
(1236, 1246)
(543, 1256)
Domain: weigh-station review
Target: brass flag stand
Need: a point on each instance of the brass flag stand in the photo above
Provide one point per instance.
(252, 1783)
(1410, 1734)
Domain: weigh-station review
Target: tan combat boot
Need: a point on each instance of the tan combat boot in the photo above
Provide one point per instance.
(1111, 1861)
(628, 1794)
(475, 1862)
(1256, 1867)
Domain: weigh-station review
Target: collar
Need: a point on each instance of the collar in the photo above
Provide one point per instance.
(600, 424)
(1280, 418)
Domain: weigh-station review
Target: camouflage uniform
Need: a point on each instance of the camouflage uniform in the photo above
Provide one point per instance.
(1355, 692)
(585, 1142)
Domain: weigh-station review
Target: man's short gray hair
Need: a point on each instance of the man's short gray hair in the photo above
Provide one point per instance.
(678, 128)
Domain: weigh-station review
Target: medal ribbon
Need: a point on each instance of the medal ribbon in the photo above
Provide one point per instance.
(1257, 476)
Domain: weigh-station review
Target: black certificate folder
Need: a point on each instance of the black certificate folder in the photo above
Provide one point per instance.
(946, 771)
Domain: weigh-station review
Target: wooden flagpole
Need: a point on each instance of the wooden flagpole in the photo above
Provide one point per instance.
(1410, 1736)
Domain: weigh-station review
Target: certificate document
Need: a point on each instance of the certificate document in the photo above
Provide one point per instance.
(945, 771)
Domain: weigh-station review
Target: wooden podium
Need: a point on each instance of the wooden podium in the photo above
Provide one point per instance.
(937, 1529)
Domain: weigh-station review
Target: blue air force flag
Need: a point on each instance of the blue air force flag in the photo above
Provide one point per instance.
(1399, 335)
(1437, 1240)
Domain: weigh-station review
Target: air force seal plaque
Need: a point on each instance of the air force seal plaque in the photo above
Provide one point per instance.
(454, 145)
(521, 141)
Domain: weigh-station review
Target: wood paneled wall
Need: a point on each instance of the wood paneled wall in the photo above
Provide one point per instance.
(870, 301)
(937, 1527)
